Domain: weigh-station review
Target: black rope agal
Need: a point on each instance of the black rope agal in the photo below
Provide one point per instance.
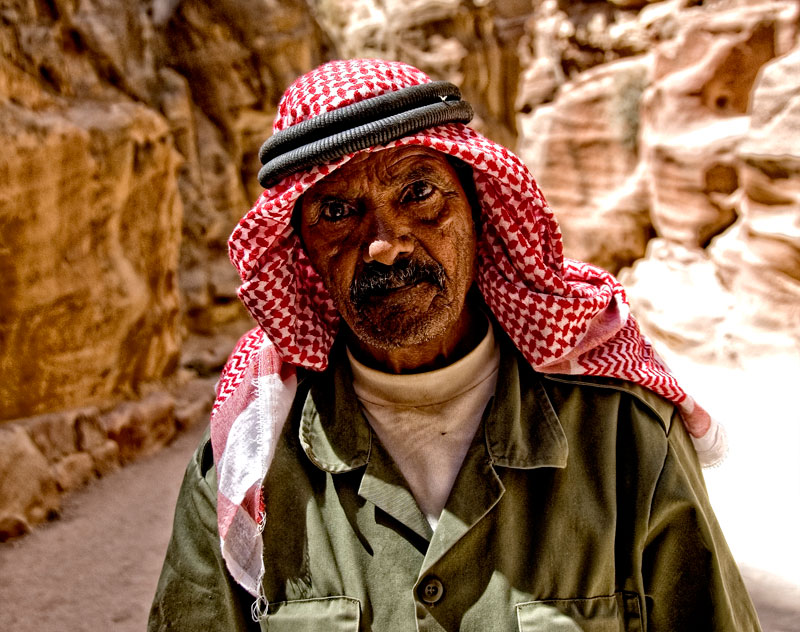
(371, 122)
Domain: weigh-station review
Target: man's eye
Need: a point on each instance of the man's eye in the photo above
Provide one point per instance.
(334, 210)
(417, 191)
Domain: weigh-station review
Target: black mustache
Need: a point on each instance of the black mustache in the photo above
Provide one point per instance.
(376, 278)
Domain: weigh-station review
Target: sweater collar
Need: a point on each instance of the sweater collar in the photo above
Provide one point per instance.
(430, 387)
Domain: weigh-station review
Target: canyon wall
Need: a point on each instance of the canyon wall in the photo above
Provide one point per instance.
(130, 132)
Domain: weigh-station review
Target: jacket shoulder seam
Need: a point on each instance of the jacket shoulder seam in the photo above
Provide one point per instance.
(660, 407)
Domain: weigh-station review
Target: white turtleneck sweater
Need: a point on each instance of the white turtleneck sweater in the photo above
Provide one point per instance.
(426, 421)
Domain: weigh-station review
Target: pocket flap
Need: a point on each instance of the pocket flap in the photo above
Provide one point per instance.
(337, 614)
(612, 613)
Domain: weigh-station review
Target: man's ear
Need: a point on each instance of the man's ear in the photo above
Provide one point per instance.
(297, 218)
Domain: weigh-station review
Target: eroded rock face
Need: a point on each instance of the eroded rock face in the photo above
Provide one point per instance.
(224, 67)
(678, 299)
(759, 257)
(583, 150)
(99, 210)
(28, 489)
(645, 144)
(739, 298)
(45, 456)
(90, 223)
(695, 115)
(90, 233)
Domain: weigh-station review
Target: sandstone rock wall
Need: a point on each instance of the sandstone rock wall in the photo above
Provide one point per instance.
(741, 294)
(130, 131)
(645, 144)
(225, 65)
(130, 135)
(90, 235)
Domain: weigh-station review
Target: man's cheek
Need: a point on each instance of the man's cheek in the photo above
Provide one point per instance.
(338, 275)
(324, 254)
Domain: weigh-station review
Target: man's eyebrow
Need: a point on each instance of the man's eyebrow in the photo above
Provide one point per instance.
(422, 172)
(330, 191)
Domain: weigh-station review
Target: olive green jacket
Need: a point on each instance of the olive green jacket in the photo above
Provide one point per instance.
(580, 506)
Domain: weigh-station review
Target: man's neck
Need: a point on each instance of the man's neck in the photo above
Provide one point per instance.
(457, 342)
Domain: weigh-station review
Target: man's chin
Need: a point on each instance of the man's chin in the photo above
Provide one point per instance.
(396, 329)
(394, 339)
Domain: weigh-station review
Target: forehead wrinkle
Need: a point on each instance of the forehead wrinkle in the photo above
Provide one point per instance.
(339, 183)
(355, 178)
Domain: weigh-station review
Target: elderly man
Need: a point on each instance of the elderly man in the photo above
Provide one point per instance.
(440, 423)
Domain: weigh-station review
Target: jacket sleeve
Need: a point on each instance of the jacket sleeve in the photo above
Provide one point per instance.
(195, 590)
(690, 578)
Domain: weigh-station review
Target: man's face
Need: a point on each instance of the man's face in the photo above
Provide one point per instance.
(391, 234)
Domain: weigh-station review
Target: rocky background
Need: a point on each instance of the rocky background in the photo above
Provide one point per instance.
(665, 135)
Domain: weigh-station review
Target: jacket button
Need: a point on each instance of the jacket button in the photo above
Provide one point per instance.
(431, 590)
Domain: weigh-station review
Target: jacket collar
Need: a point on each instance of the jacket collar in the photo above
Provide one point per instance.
(521, 430)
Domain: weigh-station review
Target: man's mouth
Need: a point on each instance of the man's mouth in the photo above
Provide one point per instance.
(376, 279)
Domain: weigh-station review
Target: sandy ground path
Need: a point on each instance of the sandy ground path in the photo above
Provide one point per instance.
(95, 569)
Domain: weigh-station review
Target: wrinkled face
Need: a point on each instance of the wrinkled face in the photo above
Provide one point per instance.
(391, 234)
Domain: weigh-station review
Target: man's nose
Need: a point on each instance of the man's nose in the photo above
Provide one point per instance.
(390, 238)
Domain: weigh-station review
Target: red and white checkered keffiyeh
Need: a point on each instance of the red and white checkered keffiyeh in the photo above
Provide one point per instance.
(564, 316)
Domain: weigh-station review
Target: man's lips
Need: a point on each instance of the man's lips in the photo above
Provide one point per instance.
(399, 285)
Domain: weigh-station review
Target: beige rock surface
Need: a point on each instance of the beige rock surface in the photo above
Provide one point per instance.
(53, 434)
(741, 294)
(74, 471)
(28, 488)
(677, 296)
(694, 115)
(627, 146)
(88, 253)
(95, 99)
(582, 148)
(759, 257)
(140, 427)
(223, 68)
(105, 457)
(49, 455)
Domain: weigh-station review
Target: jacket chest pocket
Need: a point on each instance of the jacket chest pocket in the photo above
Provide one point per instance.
(337, 614)
(613, 613)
